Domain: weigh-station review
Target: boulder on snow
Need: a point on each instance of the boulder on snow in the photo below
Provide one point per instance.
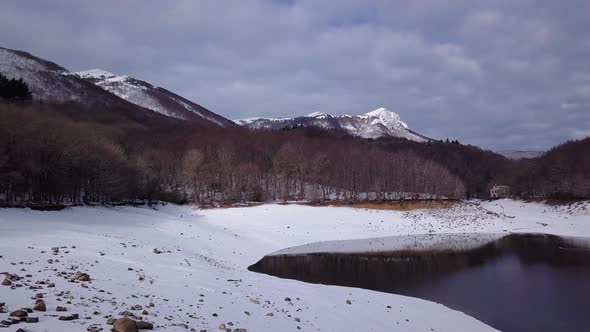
(80, 276)
(141, 325)
(40, 306)
(125, 325)
(19, 313)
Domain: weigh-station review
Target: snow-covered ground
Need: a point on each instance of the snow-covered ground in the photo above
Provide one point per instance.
(192, 264)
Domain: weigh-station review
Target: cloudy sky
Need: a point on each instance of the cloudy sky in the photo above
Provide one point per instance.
(503, 74)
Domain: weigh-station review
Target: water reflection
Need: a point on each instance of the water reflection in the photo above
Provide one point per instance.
(519, 282)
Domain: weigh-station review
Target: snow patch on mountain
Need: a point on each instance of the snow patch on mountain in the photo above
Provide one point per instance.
(95, 73)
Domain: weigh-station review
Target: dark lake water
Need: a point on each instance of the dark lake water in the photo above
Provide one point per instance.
(521, 282)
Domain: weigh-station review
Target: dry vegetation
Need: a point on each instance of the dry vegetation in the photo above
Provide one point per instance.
(401, 205)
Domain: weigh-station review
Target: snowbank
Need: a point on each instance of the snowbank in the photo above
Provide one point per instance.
(198, 275)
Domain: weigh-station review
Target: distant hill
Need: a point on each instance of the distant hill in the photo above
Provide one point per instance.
(518, 154)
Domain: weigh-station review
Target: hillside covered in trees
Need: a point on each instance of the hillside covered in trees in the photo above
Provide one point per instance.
(68, 154)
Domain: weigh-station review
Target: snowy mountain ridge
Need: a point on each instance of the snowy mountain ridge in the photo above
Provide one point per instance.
(98, 88)
(374, 124)
(151, 97)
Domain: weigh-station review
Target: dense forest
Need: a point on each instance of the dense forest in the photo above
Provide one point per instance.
(69, 154)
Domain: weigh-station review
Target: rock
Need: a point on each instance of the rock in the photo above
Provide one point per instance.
(61, 309)
(288, 299)
(70, 317)
(83, 277)
(94, 328)
(125, 325)
(6, 282)
(240, 330)
(348, 302)
(270, 314)
(19, 313)
(111, 321)
(32, 320)
(40, 306)
(221, 326)
(141, 325)
(20, 330)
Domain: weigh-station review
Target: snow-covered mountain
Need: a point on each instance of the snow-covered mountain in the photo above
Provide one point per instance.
(378, 123)
(50, 82)
(151, 97)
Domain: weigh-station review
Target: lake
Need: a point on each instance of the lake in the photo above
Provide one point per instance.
(515, 282)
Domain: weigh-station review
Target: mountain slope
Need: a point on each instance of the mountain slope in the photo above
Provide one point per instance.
(50, 82)
(378, 123)
(152, 97)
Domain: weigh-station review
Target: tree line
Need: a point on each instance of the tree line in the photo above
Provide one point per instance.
(68, 154)
(562, 172)
(48, 156)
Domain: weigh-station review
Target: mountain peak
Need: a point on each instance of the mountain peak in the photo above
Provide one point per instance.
(318, 115)
(387, 118)
(378, 123)
(380, 111)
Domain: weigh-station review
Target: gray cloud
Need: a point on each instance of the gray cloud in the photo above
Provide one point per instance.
(503, 75)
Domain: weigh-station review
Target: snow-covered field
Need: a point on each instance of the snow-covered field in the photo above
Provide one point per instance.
(187, 268)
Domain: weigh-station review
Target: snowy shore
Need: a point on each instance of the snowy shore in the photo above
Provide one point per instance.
(192, 264)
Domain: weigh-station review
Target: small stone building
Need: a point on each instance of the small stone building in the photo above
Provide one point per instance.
(499, 191)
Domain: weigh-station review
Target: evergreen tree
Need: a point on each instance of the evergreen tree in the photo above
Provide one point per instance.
(14, 89)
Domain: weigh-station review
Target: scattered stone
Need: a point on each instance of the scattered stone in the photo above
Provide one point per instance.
(348, 302)
(287, 299)
(32, 320)
(61, 309)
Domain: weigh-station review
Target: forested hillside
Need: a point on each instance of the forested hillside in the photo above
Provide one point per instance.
(51, 154)
(67, 154)
(562, 172)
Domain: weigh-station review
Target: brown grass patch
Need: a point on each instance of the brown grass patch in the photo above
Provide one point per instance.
(404, 205)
